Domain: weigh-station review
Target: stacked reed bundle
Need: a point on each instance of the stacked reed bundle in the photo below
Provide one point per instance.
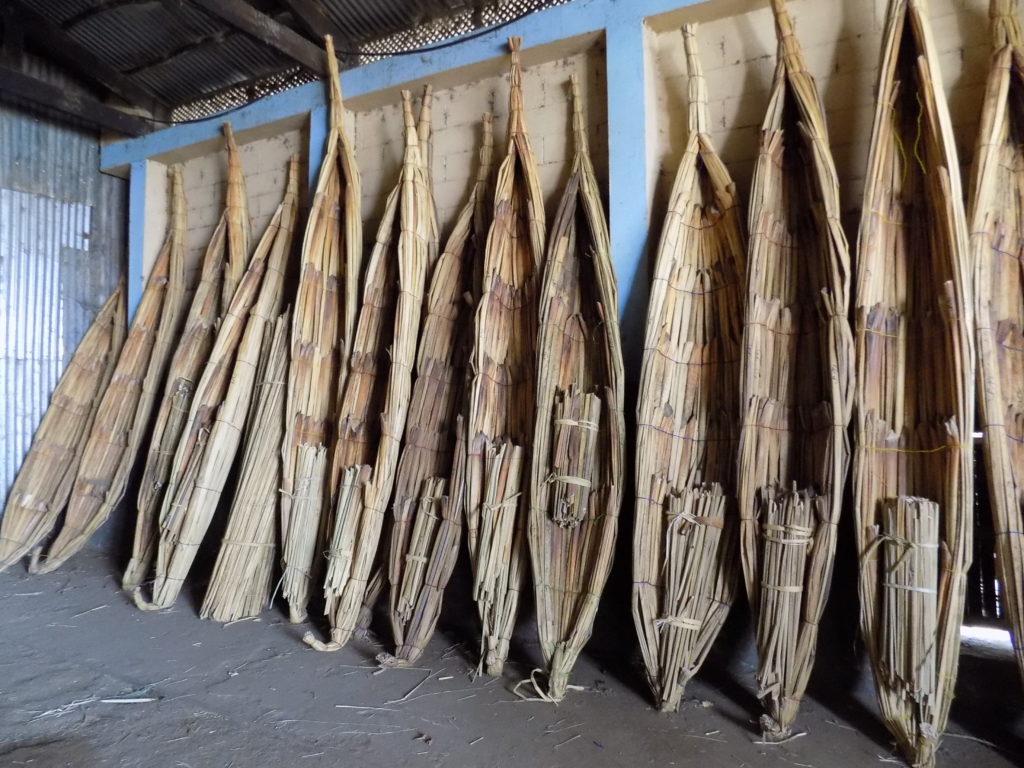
(576, 476)
(996, 203)
(499, 428)
(123, 416)
(427, 507)
(376, 399)
(685, 567)
(915, 390)
(207, 449)
(193, 349)
(795, 380)
(241, 581)
(328, 292)
(43, 484)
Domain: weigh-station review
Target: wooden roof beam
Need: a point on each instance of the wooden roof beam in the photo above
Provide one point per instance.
(34, 91)
(244, 17)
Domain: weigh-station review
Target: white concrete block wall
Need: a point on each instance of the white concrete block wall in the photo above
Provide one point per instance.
(842, 44)
(457, 133)
(265, 167)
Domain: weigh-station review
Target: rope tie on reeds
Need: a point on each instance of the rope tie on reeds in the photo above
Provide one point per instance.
(682, 622)
(681, 436)
(249, 544)
(939, 449)
(803, 534)
(688, 363)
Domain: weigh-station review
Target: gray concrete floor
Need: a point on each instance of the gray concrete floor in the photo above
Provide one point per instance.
(251, 694)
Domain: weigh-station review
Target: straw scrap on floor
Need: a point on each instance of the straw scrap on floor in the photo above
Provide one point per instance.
(576, 478)
(913, 468)
(241, 582)
(206, 453)
(321, 339)
(376, 399)
(500, 423)
(43, 483)
(996, 199)
(796, 384)
(123, 416)
(427, 506)
(685, 559)
(191, 353)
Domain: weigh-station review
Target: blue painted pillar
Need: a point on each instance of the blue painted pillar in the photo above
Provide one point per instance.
(136, 232)
(628, 209)
(319, 119)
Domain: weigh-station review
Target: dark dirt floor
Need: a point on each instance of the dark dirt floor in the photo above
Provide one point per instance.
(251, 694)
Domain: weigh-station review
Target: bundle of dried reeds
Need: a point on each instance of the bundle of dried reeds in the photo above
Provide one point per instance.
(795, 376)
(190, 355)
(123, 416)
(996, 204)
(685, 566)
(43, 483)
(376, 399)
(241, 581)
(915, 387)
(427, 507)
(208, 447)
(500, 424)
(499, 428)
(576, 477)
(379, 580)
(328, 294)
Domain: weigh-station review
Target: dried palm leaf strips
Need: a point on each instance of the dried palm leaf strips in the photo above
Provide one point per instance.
(43, 483)
(321, 339)
(376, 399)
(122, 418)
(795, 382)
(213, 430)
(685, 559)
(996, 200)
(913, 473)
(427, 507)
(190, 356)
(501, 398)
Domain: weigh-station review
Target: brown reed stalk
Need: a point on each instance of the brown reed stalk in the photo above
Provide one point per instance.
(323, 326)
(43, 483)
(915, 388)
(795, 374)
(576, 477)
(996, 215)
(427, 506)
(217, 416)
(242, 576)
(685, 559)
(123, 416)
(183, 375)
(376, 399)
(501, 398)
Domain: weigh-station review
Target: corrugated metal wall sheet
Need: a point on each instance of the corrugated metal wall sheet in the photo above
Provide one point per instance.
(62, 248)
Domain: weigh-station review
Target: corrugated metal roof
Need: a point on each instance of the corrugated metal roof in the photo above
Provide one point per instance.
(187, 56)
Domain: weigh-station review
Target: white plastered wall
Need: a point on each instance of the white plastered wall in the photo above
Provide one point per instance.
(457, 131)
(265, 168)
(842, 42)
